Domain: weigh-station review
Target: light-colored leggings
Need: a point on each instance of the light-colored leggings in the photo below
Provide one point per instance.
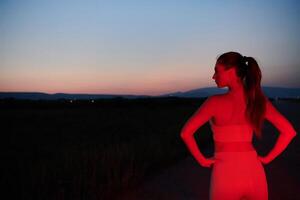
(237, 176)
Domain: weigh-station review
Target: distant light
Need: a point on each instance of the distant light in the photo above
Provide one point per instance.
(92, 100)
(71, 101)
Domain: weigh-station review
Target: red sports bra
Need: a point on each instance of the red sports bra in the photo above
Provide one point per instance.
(232, 138)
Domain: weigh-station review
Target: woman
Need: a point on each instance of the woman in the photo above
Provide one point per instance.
(237, 170)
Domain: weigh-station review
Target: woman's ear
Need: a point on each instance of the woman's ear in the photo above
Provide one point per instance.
(232, 71)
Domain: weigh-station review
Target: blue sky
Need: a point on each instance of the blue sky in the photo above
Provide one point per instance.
(142, 47)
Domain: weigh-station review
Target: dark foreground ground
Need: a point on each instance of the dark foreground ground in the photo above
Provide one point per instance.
(127, 148)
(189, 181)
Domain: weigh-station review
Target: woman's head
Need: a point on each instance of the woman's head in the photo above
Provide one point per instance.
(225, 76)
(234, 67)
(244, 69)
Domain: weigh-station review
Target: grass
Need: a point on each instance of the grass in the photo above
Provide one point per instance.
(84, 150)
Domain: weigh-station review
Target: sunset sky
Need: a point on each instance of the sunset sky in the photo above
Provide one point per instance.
(142, 47)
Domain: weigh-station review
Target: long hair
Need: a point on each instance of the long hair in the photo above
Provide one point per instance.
(249, 72)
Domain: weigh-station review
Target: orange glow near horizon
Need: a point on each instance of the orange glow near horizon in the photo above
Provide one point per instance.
(160, 80)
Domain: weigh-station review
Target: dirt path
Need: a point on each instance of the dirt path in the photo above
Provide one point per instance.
(186, 180)
(190, 181)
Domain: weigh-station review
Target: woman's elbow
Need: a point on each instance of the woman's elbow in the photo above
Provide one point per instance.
(184, 135)
(291, 134)
(188, 131)
(294, 134)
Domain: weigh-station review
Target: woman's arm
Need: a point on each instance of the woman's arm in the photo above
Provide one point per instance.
(286, 130)
(202, 115)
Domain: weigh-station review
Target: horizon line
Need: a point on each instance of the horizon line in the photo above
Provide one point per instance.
(225, 88)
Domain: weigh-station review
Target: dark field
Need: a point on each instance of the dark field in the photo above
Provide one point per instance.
(83, 150)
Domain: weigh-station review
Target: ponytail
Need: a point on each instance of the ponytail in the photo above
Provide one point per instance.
(256, 100)
(249, 72)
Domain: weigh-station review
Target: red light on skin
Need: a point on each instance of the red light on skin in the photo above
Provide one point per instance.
(237, 169)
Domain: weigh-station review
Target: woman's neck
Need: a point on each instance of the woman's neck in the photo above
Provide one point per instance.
(236, 90)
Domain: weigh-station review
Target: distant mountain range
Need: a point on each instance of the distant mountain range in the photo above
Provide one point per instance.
(271, 92)
(56, 96)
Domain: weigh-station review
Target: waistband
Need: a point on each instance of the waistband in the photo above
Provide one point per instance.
(236, 156)
(233, 146)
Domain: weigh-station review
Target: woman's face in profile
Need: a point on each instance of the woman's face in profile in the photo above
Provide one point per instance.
(220, 76)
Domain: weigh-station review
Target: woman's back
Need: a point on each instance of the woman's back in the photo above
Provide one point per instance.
(230, 110)
(237, 172)
(231, 131)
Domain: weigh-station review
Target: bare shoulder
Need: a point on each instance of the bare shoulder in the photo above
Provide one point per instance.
(208, 106)
(218, 98)
(214, 101)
